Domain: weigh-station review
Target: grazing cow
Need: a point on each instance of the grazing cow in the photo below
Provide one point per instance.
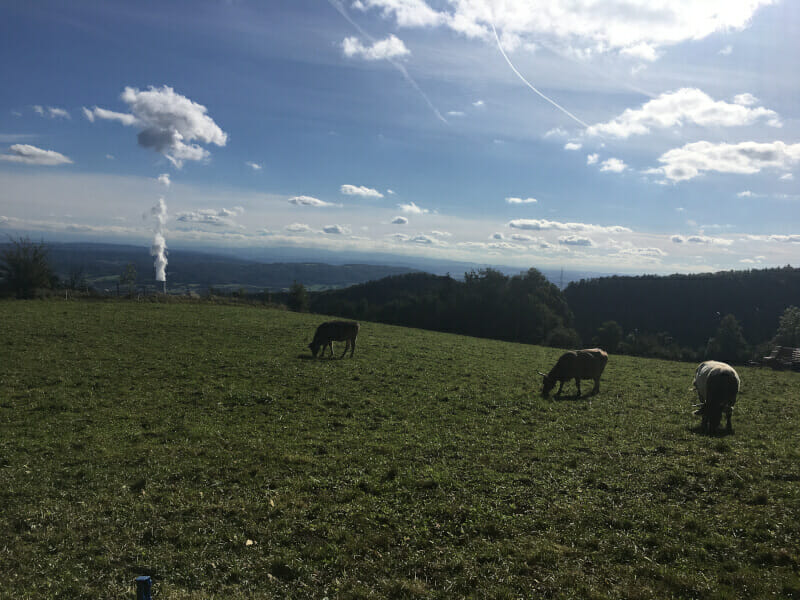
(577, 365)
(335, 331)
(717, 384)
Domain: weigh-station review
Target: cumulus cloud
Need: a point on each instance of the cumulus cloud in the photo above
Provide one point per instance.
(407, 13)
(686, 105)
(336, 229)
(391, 47)
(253, 165)
(52, 112)
(399, 221)
(298, 228)
(223, 217)
(544, 224)
(681, 164)
(573, 146)
(726, 50)
(592, 158)
(576, 240)
(164, 179)
(168, 123)
(637, 28)
(31, 155)
(413, 209)
(309, 201)
(613, 165)
(441, 234)
(513, 200)
(700, 239)
(360, 190)
(783, 239)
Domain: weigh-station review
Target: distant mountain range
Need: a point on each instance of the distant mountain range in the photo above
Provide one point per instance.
(257, 269)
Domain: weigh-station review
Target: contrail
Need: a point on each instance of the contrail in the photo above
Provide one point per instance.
(526, 82)
(338, 6)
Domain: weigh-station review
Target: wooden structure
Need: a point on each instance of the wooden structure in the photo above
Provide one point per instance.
(783, 357)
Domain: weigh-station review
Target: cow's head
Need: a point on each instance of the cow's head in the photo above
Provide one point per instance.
(314, 349)
(548, 383)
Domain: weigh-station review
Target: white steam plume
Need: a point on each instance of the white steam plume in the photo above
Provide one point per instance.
(159, 247)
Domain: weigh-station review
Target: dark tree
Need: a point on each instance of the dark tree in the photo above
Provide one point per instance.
(788, 333)
(728, 344)
(298, 298)
(24, 268)
(609, 336)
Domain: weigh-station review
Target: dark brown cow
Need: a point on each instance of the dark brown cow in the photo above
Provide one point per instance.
(335, 331)
(577, 365)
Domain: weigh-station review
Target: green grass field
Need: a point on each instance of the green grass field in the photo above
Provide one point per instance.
(201, 445)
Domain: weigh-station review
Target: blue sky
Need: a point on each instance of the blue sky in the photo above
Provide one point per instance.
(626, 136)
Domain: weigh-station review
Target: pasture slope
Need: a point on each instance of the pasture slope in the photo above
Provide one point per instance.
(199, 444)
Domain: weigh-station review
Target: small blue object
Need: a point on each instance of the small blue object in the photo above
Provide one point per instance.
(143, 586)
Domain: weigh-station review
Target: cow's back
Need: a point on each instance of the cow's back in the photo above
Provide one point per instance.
(591, 362)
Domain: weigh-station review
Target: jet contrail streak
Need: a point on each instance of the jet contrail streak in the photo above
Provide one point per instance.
(337, 5)
(526, 82)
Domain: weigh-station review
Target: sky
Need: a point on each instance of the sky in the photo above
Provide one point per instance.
(630, 136)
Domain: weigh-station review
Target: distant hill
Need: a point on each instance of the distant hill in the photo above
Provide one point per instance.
(102, 265)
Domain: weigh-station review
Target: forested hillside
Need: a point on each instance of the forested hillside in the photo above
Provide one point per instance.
(686, 308)
(523, 308)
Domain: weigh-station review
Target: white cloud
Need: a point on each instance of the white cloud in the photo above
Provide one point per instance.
(336, 229)
(691, 160)
(168, 123)
(391, 47)
(441, 234)
(390, 192)
(783, 239)
(613, 165)
(513, 200)
(726, 51)
(253, 165)
(573, 146)
(52, 112)
(110, 156)
(543, 225)
(643, 252)
(701, 239)
(686, 105)
(478, 103)
(360, 190)
(585, 27)
(164, 179)
(746, 194)
(298, 228)
(456, 113)
(399, 221)
(592, 158)
(223, 217)
(575, 240)
(309, 201)
(786, 177)
(31, 155)
(407, 13)
(413, 209)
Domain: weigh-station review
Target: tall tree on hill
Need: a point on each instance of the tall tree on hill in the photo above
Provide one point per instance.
(298, 298)
(728, 343)
(24, 268)
(788, 333)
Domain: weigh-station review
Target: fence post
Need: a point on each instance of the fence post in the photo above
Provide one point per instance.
(143, 586)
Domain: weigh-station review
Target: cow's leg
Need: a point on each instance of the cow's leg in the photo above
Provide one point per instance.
(578, 385)
(728, 413)
(596, 389)
(560, 385)
(330, 347)
(346, 346)
(352, 347)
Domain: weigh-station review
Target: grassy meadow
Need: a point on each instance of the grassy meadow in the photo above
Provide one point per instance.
(200, 444)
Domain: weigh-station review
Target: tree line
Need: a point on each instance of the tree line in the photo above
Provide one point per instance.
(729, 315)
